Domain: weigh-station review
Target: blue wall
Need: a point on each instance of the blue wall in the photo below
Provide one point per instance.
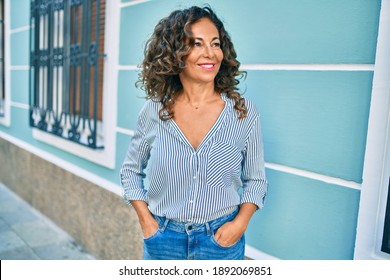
(312, 120)
(280, 31)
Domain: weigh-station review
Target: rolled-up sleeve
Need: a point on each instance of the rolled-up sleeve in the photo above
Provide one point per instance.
(132, 171)
(255, 184)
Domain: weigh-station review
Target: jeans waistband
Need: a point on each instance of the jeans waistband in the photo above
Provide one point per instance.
(210, 226)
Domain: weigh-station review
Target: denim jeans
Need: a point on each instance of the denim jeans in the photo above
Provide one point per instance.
(185, 241)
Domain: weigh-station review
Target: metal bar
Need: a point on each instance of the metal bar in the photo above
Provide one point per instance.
(37, 56)
(32, 62)
(74, 66)
(58, 9)
(50, 49)
(2, 89)
(66, 68)
(85, 75)
(96, 76)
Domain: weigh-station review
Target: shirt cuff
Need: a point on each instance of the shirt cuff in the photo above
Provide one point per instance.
(256, 197)
(130, 195)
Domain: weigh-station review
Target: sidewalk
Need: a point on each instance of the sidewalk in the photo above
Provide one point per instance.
(25, 234)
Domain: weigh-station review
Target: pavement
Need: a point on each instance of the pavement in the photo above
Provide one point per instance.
(26, 234)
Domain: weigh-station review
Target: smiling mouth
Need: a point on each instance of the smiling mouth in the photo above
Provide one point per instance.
(207, 66)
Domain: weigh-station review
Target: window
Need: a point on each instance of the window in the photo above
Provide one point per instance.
(2, 72)
(66, 69)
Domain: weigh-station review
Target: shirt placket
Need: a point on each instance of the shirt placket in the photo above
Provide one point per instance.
(194, 184)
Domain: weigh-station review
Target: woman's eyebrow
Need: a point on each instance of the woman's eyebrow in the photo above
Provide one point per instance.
(200, 38)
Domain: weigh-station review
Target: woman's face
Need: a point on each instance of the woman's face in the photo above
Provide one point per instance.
(205, 57)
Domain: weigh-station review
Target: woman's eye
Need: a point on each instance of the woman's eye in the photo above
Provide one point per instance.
(197, 44)
(216, 45)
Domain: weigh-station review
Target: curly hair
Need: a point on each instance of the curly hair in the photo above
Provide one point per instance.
(164, 59)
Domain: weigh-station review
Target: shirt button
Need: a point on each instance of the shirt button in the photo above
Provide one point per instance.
(194, 177)
(191, 201)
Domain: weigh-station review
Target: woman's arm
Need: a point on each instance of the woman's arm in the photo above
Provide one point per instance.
(132, 172)
(148, 223)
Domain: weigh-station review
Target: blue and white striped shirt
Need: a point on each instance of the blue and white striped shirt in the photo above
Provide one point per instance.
(195, 185)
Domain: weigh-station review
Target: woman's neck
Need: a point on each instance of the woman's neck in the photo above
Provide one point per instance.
(197, 93)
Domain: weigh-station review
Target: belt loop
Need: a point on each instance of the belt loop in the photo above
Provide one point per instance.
(208, 229)
(164, 225)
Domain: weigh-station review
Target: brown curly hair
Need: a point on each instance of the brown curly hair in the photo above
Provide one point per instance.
(164, 59)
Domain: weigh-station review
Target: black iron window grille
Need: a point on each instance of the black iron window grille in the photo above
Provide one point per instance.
(2, 90)
(66, 69)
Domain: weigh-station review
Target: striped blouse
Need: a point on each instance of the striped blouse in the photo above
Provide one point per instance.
(195, 185)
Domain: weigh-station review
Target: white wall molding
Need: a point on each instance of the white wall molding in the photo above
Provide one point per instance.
(19, 67)
(308, 67)
(125, 131)
(314, 176)
(256, 254)
(20, 105)
(134, 2)
(129, 67)
(20, 29)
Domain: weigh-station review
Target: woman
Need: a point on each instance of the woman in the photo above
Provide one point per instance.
(197, 142)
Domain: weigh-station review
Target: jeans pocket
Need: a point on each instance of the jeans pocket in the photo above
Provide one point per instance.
(158, 231)
(213, 240)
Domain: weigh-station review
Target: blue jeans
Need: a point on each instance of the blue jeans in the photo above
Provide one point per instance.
(185, 241)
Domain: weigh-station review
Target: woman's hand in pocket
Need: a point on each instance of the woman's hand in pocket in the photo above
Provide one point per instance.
(149, 228)
(228, 234)
(148, 223)
(231, 232)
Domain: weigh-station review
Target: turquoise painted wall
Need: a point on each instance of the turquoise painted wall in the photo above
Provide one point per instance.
(279, 31)
(305, 219)
(312, 120)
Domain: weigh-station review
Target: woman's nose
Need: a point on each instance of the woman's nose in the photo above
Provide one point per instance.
(208, 51)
